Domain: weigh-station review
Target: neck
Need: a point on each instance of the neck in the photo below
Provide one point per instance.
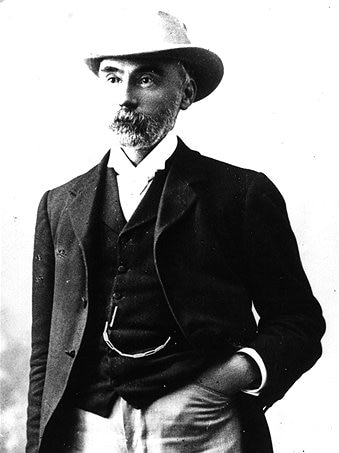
(137, 155)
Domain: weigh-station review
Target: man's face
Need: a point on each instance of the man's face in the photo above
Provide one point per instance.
(146, 96)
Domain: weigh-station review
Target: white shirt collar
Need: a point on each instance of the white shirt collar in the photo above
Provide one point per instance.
(147, 168)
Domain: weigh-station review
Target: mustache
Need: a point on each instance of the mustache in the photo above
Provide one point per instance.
(131, 118)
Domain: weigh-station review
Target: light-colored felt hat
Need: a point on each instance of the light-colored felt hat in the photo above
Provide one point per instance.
(154, 35)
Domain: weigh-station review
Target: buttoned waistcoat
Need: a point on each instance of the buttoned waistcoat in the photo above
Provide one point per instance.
(222, 242)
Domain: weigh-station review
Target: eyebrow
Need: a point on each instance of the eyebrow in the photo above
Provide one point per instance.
(141, 69)
(109, 69)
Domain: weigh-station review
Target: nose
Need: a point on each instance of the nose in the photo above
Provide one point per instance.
(127, 96)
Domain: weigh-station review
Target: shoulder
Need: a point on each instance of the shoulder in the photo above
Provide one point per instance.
(213, 168)
(79, 182)
(230, 183)
(55, 200)
(253, 185)
(74, 184)
(226, 170)
(222, 174)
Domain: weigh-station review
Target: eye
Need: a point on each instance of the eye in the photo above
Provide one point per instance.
(146, 80)
(112, 79)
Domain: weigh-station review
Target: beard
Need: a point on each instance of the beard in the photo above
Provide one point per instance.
(142, 131)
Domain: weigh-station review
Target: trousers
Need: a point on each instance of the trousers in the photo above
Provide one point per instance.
(192, 419)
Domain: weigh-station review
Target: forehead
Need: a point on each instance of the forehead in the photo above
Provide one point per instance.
(131, 65)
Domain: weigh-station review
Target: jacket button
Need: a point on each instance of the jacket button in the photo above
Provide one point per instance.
(84, 301)
(71, 353)
(61, 253)
(116, 296)
(122, 269)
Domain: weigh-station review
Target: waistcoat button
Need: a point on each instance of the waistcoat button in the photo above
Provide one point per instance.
(116, 296)
(122, 269)
(84, 301)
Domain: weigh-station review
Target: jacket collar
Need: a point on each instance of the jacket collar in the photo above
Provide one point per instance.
(83, 194)
(179, 192)
(177, 197)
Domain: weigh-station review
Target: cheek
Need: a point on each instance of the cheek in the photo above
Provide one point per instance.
(160, 103)
(149, 103)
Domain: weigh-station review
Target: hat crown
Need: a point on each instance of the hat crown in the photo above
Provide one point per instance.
(174, 31)
(133, 33)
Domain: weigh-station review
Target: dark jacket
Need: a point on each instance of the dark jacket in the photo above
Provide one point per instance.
(222, 241)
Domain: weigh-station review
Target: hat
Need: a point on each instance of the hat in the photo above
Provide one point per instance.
(153, 35)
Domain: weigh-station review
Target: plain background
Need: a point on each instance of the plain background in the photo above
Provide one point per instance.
(276, 111)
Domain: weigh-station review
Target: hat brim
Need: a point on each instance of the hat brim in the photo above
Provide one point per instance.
(203, 65)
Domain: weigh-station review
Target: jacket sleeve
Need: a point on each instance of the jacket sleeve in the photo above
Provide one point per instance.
(43, 283)
(291, 323)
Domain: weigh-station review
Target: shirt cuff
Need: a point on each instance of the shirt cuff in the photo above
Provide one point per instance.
(259, 361)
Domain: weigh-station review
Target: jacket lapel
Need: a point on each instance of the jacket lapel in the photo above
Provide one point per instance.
(179, 193)
(84, 194)
(111, 212)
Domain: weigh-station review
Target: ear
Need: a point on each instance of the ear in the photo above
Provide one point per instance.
(189, 94)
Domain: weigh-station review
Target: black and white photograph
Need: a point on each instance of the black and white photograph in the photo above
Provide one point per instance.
(169, 226)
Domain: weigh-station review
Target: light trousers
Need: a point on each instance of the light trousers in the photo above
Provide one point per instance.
(192, 419)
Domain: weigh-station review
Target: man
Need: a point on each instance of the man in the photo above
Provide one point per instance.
(145, 271)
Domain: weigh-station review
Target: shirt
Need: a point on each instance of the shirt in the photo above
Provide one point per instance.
(133, 181)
